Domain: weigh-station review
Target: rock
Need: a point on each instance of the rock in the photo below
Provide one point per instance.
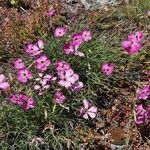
(117, 147)
(97, 4)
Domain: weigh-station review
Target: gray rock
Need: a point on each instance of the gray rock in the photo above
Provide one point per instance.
(97, 4)
(117, 147)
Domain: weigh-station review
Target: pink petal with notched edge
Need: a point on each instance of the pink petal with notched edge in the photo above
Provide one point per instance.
(86, 35)
(40, 75)
(2, 78)
(37, 87)
(135, 48)
(47, 77)
(86, 103)
(61, 75)
(140, 36)
(91, 115)
(73, 79)
(60, 32)
(92, 112)
(40, 44)
(54, 79)
(22, 78)
(43, 82)
(92, 109)
(67, 84)
(85, 116)
(77, 39)
(51, 12)
(68, 48)
(46, 86)
(76, 87)
(82, 111)
(5, 85)
(69, 73)
(132, 37)
(61, 82)
(126, 44)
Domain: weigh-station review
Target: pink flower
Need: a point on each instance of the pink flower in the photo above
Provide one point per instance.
(28, 103)
(107, 69)
(33, 50)
(59, 97)
(68, 78)
(22, 100)
(62, 66)
(134, 43)
(40, 44)
(68, 49)
(137, 37)
(76, 87)
(77, 40)
(44, 82)
(140, 36)
(19, 64)
(88, 111)
(142, 115)
(60, 32)
(144, 93)
(131, 47)
(51, 12)
(3, 84)
(24, 75)
(148, 13)
(86, 35)
(42, 63)
(16, 99)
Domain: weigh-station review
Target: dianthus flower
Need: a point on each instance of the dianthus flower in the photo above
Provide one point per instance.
(134, 43)
(18, 63)
(42, 63)
(51, 12)
(138, 36)
(107, 69)
(86, 35)
(70, 49)
(77, 39)
(4, 85)
(60, 32)
(22, 100)
(24, 75)
(142, 115)
(88, 111)
(131, 47)
(62, 66)
(144, 93)
(59, 97)
(44, 82)
(68, 78)
(40, 44)
(35, 49)
(77, 86)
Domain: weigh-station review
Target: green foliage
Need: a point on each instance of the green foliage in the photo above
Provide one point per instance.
(18, 128)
